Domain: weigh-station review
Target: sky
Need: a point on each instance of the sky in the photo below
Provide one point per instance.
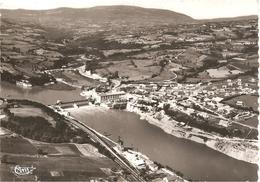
(198, 9)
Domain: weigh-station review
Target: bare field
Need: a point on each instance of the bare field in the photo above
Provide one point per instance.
(75, 78)
(248, 101)
(31, 112)
(66, 149)
(58, 168)
(60, 162)
(16, 145)
(253, 121)
(88, 150)
(133, 69)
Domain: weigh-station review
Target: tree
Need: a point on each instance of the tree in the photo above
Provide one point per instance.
(40, 151)
(116, 74)
(7, 111)
(166, 107)
(154, 75)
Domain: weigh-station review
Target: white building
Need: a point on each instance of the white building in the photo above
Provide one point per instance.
(239, 103)
(224, 123)
(107, 97)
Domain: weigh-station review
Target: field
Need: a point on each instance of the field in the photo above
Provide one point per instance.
(222, 72)
(248, 101)
(253, 121)
(58, 168)
(58, 149)
(164, 75)
(60, 161)
(108, 53)
(88, 150)
(25, 111)
(17, 145)
(59, 86)
(28, 111)
(132, 69)
(75, 78)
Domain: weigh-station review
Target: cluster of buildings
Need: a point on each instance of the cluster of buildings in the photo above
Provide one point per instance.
(139, 160)
(200, 100)
(233, 87)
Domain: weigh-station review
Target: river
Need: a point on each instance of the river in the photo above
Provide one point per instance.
(194, 160)
(39, 94)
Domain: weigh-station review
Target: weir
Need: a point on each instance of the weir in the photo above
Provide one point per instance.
(71, 104)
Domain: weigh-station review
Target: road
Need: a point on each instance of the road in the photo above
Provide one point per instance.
(135, 174)
(221, 116)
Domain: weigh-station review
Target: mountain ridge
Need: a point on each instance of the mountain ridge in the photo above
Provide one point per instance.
(102, 13)
(115, 15)
(131, 7)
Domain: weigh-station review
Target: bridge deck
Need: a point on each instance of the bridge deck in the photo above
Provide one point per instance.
(70, 104)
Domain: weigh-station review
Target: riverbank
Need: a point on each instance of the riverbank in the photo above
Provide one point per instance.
(136, 159)
(168, 150)
(236, 148)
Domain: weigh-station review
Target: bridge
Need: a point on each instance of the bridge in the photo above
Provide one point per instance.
(71, 104)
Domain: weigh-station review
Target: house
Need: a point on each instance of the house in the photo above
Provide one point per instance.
(224, 123)
(230, 84)
(40, 51)
(239, 103)
(227, 94)
(203, 114)
(252, 80)
(239, 80)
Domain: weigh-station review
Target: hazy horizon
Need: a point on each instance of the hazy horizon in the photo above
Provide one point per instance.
(197, 9)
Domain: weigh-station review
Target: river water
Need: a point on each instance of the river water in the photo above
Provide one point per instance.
(45, 96)
(194, 160)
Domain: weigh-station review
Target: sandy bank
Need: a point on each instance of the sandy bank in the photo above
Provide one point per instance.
(238, 149)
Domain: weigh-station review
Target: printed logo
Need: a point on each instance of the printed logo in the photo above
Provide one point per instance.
(23, 170)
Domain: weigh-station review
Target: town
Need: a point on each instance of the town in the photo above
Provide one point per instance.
(196, 80)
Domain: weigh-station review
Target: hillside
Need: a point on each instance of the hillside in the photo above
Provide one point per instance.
(238, 18)
(128, 42)
(98, 15)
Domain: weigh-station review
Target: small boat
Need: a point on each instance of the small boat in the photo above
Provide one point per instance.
(24, 83)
